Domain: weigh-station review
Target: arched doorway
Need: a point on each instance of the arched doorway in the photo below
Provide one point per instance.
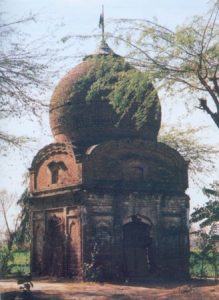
(137, 244)
(54, 261)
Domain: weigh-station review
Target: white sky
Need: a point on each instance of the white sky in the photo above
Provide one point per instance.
(65, 17)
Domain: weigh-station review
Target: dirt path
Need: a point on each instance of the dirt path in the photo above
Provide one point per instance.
(56, 290)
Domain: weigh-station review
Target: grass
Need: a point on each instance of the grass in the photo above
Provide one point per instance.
(198, 268)
(21, 257)
(20, 264)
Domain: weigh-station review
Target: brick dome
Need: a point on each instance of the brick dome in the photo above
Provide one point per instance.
(75, 119)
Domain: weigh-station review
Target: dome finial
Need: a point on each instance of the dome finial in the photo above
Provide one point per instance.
(104, 47)
(101, 23)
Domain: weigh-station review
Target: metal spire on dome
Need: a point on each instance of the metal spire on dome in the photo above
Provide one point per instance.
(104, 47)
(101, 23)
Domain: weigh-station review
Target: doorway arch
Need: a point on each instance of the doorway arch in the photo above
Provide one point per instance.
(137, 248)
(54, 250)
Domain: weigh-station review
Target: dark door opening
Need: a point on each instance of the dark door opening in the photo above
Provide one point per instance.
(54, 256)
(137, 249)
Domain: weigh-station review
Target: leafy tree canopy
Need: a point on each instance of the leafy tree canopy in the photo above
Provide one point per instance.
(185, 60)
(113, 79)
(208, 235)
(26, 73)
(185, 140)
(208, 215)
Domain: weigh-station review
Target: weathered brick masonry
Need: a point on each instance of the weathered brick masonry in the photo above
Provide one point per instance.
(106, 198)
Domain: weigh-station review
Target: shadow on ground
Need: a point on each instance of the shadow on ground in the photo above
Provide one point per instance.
(170, 284)
(34, 296)
(67, 290)
(42, 296)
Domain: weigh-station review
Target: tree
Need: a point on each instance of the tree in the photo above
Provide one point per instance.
(207, 253)
(16, 233)
(208, 215)
(6, 202)
(22, 72)
(26, 72)
(8, 140)
(185, 60)
(6, 254)
(208, 218)
(23, 228)
(201, 156)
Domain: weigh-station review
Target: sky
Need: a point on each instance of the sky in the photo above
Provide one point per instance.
(58, 18)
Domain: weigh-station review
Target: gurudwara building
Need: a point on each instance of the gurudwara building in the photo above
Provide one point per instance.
(106, 197)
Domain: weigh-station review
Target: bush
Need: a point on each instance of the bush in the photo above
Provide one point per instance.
(6, 258)
(14, 262)
(204, 265)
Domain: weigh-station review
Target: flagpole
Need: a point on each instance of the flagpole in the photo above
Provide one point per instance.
(103, 48)
(103, 23)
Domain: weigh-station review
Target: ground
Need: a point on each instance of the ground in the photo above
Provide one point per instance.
(63, 290)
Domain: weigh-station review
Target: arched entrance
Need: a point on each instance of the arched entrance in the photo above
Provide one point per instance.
(54, 261)
(137, 244)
